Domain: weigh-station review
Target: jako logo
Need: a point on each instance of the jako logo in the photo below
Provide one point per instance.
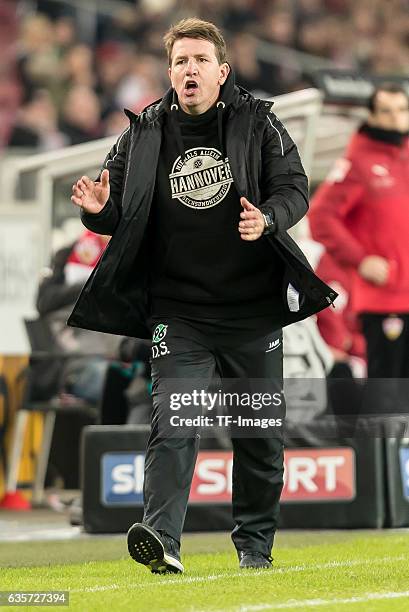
(272, 346)
(122, 478)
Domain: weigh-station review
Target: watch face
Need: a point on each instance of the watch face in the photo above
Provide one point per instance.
(268, 220)
(269, 223)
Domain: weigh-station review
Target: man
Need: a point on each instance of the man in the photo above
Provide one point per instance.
(82, 372)
(360, 214)
(339, 326)
(212, 284)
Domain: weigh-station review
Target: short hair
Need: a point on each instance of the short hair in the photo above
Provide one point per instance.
(193, 27)
(393, 88)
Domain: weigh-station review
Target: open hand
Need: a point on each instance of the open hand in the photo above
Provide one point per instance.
(90, 195)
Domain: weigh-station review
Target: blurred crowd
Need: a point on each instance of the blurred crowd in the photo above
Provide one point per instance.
(65, 76)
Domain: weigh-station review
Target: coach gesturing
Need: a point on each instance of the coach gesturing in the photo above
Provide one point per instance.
(201, 190)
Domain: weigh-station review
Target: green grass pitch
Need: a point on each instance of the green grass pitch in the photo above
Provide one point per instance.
(328, 571)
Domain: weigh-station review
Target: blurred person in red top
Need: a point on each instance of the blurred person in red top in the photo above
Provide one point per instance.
(339, 326)
(360, 214)
(84, 256)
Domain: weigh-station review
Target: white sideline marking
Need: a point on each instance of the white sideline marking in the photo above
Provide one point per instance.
(308, 603)
(242, 574)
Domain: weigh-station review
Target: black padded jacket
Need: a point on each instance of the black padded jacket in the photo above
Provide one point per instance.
(266, 169)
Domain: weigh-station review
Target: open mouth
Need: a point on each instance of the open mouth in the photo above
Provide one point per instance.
(190, 87)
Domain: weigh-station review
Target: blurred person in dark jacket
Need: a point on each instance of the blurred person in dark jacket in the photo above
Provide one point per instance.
(252, 73)
(35, 125)
(77, 66)
(126, 396)
(81, 375)
(81, 115)
(38, 63)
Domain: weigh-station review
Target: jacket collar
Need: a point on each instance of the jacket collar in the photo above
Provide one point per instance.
(389, 137)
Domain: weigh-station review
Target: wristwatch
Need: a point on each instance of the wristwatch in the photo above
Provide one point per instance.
(269, 225)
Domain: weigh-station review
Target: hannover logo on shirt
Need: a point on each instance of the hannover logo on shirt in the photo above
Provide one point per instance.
(202, 179)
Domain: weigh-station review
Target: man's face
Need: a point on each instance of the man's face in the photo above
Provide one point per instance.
(391, 112)
(196, 74)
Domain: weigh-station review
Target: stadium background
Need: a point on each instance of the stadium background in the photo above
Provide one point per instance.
(58, 57)
(103, 56)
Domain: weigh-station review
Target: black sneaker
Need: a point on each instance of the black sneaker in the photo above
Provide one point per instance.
(158, 552)
(251, 559)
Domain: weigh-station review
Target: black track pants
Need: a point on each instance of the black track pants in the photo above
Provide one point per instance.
(387, 346)
(202, 350)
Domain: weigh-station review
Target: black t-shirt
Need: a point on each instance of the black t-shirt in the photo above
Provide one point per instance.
(200, 264)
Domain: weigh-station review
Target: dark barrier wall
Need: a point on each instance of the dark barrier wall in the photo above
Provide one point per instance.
(105, 512)
(112, 481)
(358, 495)
(341, 479)
(397, 471)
